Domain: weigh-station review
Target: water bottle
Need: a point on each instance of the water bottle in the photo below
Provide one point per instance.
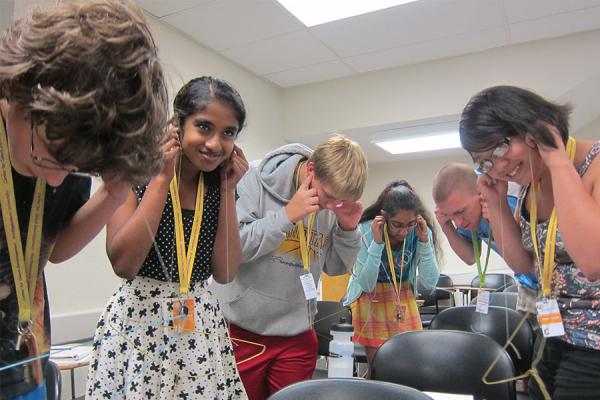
(341, 351)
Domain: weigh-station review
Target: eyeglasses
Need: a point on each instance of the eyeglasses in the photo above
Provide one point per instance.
(486, 165)
(400, 226)
(51, 164)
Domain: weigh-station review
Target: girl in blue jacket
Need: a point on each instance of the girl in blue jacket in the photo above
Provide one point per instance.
(398, 238)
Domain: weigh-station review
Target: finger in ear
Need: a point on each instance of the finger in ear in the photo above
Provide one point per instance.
(530, 140)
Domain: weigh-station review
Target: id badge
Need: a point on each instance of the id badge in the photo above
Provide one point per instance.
(308, 285)
(184, 320)
(549, 317)
(483, 302)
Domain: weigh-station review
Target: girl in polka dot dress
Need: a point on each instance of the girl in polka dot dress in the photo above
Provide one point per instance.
(162, 334)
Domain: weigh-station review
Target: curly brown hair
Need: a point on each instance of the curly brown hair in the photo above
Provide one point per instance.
(90, 72)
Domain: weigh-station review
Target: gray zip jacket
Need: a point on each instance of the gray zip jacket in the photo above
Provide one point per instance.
(266, 296)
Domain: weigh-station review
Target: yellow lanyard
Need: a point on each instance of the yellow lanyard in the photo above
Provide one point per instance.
(304, 239)
(397, 286)
(547, 266)
(24, 266)
(185, 260)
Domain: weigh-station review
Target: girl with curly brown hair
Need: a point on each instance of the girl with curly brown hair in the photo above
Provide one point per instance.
(81, 94)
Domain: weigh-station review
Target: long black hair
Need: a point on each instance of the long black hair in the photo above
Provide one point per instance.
(506, 111)
(399, 195)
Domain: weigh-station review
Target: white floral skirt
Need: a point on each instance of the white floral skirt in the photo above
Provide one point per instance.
(139, 355)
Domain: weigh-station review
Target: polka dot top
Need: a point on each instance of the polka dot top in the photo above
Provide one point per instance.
(161, 261)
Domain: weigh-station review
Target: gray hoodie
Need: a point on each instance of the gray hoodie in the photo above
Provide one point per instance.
(266, 296)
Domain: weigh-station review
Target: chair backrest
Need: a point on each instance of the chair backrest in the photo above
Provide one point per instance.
(512, 289)
(53, 381)
(432, 297)
(347, 389)
(501, 299)
(328, 314)
(495, 281)
(445, 361)
(499, 323)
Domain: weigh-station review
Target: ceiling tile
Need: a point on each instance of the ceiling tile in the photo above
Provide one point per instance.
(225, 24)
(281, 53)
(160, 8)
(312, 73)
(410, 23)
(556, 25)
(430, 50)
(519, 10)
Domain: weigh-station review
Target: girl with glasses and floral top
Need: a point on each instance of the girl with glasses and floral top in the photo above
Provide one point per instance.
(515, 135)
(398, 240)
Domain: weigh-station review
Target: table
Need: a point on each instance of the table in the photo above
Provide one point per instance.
(470, 288)
(448, 396)
(460, 298)
(69, 357)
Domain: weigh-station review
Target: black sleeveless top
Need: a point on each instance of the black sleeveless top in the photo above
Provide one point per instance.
(161, 261)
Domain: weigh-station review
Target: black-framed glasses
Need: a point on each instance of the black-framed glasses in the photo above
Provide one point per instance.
(51, 164)
(400, 226)
(484, 166)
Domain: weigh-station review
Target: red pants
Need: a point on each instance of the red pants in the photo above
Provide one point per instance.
(286, 360)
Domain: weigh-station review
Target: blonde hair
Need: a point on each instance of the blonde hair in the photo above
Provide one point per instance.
(341, 164)
(454, 177)
(90, 72)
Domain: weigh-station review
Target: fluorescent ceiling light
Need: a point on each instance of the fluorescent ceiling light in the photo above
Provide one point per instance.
(315, 12)
(416, 144)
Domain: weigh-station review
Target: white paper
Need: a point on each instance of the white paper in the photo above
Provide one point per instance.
(74, 352)
(308, 285)
(549, 318)
(483, 302)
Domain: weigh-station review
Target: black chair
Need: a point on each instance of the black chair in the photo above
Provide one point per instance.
(496, 281)
(512, 289)
(445, 361)
(499, 324)
(432, 297)
(501, 299)
(53, 381)
(328, 314)
(347, 389)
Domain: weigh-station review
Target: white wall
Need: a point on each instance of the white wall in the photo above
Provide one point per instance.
(591, 131)
(79, 288)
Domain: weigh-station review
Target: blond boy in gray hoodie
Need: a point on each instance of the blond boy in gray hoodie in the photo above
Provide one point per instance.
(298, 212)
